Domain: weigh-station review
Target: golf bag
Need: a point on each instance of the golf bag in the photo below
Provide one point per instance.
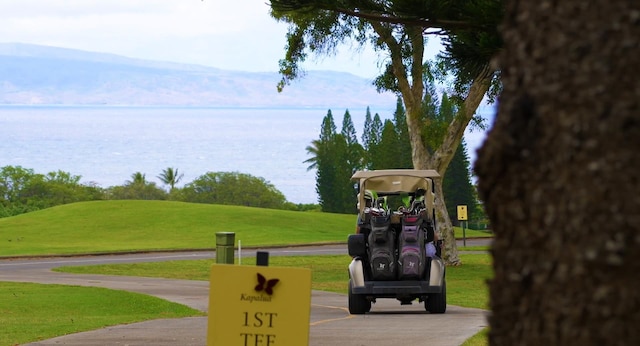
(411, 247)
(382, 251)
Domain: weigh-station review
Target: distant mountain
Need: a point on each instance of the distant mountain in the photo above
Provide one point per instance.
(32, 74)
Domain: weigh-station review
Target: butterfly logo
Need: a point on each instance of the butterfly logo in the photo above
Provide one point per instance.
(265, 285)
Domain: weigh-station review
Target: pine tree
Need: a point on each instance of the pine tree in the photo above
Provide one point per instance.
(335, 156)
(354, 149)
(366, 138)
(328, 128)
(387, 154)
(344, 193)
(321, 160)
(373, 144)
(404, 144)
(457, 186)
(438, 116)
(325, 176)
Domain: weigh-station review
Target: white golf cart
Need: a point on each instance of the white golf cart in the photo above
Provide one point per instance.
(395, 250)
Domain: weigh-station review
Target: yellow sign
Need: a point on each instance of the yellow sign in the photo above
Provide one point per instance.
(258, 306)
(462, 213)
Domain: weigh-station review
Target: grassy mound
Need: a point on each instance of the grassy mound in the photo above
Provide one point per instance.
(120, 226)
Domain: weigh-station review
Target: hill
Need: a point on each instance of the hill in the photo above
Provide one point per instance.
(33, 74)
(129, 225)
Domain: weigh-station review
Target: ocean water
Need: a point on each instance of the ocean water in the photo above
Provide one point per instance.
(106, 145)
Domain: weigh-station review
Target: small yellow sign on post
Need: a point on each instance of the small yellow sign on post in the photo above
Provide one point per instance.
(462, 213)
(258, 306)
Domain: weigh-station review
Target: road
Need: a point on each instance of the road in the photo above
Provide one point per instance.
(330, 323)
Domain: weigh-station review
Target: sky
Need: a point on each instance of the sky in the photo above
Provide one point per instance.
(229, 34)
(226, 34)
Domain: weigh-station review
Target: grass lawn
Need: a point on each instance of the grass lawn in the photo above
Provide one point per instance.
(465, 284)
(474, 248)
(121, 226)
(71, 309)
(31, 312)
(471, 233)
(480, 339)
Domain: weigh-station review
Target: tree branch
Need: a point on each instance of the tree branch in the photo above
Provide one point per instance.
(478, 89)
(381, 16)
(392, 19)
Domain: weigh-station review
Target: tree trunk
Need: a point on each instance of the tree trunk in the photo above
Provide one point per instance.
(443, 156)
(419, 154)
(445, 229)
(412, 93)
(558, 174)
(479, 87)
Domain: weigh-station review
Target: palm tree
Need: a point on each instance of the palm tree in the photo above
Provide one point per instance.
(137, 178)
(314, 151)
(170, 177)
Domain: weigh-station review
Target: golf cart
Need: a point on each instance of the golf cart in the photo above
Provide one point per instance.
(395, 251)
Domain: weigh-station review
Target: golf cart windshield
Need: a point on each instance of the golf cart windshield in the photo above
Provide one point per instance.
(396, 182)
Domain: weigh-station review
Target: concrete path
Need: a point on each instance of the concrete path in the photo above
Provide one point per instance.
(388, 322)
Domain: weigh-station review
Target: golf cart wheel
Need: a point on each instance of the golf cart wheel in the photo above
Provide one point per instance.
(436, 303)
(358, 304)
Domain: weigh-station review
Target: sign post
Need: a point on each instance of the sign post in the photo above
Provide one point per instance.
(258, 306)
(462, 216)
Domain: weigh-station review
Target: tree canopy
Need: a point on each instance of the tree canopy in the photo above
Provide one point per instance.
(398, 30)
(22, 190)
(233, 188)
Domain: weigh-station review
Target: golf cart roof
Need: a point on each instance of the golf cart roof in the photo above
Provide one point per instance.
(392, 181)
(421, 173)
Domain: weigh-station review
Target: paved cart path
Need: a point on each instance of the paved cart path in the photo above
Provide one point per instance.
(330, 324)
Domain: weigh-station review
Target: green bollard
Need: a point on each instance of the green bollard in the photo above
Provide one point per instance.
(224, 247)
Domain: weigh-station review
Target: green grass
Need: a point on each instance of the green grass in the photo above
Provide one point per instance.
(471, 233)
(474, 248)
(120, 226)
(31, 312)
(465, 284)
(480, 339)
(54, 310)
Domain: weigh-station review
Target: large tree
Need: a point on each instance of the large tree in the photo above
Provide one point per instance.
(233, 188)
(371, 137)
(404, 145)
(387, 154)
(22, 190)
(355, 152)
(558, 173)
(335, 156)
(398, 30)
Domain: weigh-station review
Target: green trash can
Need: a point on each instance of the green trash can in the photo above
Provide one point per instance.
(224, 247)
